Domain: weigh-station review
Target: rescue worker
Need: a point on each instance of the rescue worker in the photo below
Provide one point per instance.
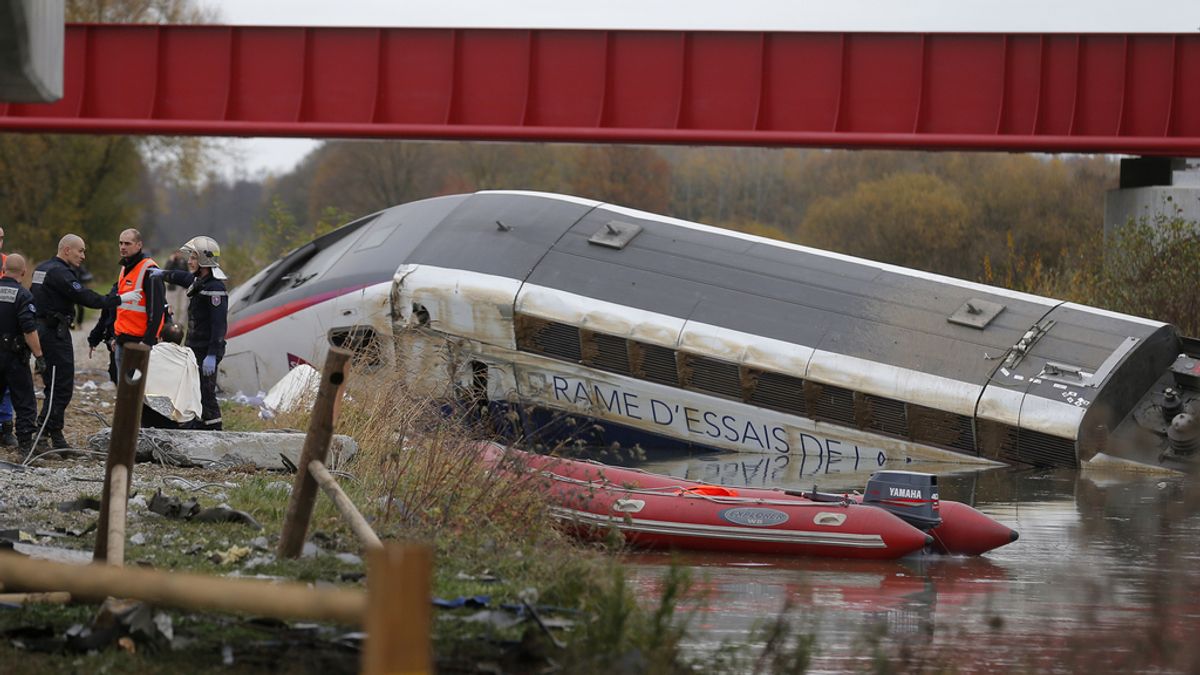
(56, 291)
(138, 321)
(208, 307)
(18, 338)
(7, 438)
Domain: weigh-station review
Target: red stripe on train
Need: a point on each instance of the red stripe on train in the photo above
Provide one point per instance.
(256, 321)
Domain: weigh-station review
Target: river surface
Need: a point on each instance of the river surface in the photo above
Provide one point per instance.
(1105, 577)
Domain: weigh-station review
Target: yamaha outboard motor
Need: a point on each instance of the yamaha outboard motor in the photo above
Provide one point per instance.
(911, 496)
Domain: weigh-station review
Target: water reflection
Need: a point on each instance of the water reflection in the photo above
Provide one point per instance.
(1105, 577)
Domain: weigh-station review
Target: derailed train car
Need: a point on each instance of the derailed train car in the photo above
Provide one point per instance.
(590, 322)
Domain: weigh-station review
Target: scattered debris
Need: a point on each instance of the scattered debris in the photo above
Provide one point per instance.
(121, 623)
(485, 577)
(463, 601)
(229, 556)
(297, 388)
(80, 504)
(224, 514)
(173, 507)
(17, 536)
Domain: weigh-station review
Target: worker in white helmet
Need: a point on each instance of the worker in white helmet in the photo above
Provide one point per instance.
(208, 307)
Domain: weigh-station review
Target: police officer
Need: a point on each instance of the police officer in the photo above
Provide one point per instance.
(6, 409)
(208, 307)
(56, 291)
(138, 321)
(18, 338)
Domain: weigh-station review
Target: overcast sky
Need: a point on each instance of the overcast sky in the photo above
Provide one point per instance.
(1003, 16)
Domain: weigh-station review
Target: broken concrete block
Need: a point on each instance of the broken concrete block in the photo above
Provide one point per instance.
(264, 449)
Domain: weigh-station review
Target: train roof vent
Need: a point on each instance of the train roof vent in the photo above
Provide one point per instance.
(976, 313)
(615, 234)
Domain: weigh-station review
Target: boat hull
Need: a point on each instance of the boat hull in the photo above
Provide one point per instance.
(659, 511)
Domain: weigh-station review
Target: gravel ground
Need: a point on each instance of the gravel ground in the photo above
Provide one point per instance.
(29, 496)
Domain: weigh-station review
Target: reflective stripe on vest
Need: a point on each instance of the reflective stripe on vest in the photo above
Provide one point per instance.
(131, 316)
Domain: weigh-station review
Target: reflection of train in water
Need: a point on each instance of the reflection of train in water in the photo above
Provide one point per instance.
(604, 324)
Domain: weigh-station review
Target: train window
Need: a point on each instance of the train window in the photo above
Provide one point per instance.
(1039, 449)
(778, 392)
(1001, 441)
(884, 415)
(997, 440)
(653, 363)
(547, 337)
(310, 260)
(830, 403)
(941, 428)
(711, 376)
(606, 352)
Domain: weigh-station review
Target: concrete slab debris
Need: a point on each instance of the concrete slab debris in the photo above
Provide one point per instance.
(264, 449)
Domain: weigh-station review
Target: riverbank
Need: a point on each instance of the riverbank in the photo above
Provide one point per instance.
(513, 593)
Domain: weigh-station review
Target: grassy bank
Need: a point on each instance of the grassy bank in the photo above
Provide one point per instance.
(416, 477)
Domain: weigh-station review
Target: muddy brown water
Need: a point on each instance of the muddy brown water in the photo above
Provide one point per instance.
(1105, 577)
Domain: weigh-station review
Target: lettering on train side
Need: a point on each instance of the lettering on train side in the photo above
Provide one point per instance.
(607, 400)
(603, 398)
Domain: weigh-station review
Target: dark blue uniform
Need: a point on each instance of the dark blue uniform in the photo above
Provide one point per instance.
(56, 291)
(16, 319)
(208, 307)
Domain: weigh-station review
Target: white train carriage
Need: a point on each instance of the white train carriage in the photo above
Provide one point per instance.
(601, 324)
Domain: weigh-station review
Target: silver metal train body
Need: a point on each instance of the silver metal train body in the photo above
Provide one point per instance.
(605, 324)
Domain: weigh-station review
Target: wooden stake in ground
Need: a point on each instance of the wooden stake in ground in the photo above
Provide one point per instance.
(350, 514)
(316, 446)
(127, 419)
(399, 610)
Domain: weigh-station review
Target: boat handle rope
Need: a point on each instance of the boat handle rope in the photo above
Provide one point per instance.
(682, 492)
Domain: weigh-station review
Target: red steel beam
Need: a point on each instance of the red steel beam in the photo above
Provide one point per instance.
(1133, 94)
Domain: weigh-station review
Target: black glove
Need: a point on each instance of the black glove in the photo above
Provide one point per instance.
(149, 341)
(39, 364)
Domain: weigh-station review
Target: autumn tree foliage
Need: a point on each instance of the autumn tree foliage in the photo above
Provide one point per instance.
(1008, 219)
(51, 185)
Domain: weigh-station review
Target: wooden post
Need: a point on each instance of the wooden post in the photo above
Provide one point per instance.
(127, 419)
(197, 592)
(316, 446)
(398, 613)
(51, 598)
(116, 515)
(346, 507)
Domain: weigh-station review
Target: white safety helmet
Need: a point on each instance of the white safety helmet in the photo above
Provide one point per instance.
(207, 252)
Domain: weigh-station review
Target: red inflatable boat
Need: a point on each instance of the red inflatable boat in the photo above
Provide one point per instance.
(903, 515)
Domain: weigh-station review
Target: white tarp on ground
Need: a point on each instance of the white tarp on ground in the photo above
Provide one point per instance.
(296, 389)
(173, 383)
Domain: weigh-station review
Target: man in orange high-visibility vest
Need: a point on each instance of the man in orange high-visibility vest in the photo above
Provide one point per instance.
(138, 321)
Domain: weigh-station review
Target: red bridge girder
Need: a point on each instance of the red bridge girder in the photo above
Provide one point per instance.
(1137, 94)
